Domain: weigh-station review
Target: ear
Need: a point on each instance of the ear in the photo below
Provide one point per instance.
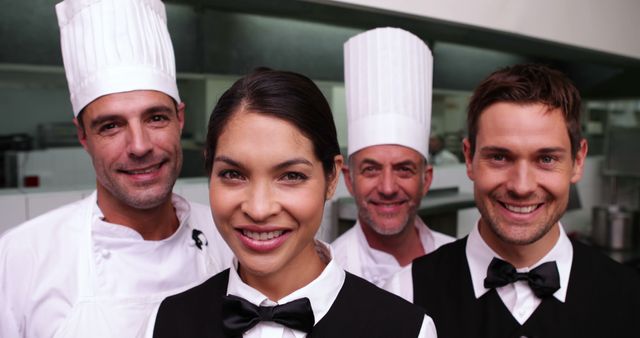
(468, 158)
(181, 106)
(338, 161)
(578, 163)
(428, 178)
(346, 174)
(80, 133)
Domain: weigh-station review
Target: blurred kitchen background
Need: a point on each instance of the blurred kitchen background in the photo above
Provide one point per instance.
(595, 42)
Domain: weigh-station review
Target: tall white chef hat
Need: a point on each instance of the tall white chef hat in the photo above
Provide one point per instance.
(388, 82)
(113, 46)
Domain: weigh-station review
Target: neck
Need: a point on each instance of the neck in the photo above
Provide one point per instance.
(297, 273)
(404, 246)
(152, 224)
(521, 255)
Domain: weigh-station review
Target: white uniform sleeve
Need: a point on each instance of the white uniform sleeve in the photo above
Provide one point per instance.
(401, 283)
(15, 275)
(428, 329)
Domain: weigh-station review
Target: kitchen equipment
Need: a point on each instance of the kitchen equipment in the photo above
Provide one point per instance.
(615, 227)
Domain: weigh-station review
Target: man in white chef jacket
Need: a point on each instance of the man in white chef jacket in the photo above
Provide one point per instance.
(96, 268)
(388, 75)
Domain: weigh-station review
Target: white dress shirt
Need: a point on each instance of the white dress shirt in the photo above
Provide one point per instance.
(321, 292)
(517, 297)
(353, 253)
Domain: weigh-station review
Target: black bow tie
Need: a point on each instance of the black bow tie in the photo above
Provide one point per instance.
(543, 280)
(239, 315)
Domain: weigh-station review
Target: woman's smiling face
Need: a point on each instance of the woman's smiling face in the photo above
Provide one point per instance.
(267, 194)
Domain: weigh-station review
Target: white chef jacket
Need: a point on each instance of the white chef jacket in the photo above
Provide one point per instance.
(353, 253)
(322, 292)
(55, 268)
(517, 297)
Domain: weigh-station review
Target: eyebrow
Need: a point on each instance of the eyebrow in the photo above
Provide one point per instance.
(279, 166)
(552, 150)
(494, 149)
(374, 162)
(113, 116)
(548, 150)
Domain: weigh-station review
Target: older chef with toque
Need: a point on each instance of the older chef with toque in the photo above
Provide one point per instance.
(388, 75)
(96, 268)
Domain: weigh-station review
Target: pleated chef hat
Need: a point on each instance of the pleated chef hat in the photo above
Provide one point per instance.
(388, 83)
(113, 46)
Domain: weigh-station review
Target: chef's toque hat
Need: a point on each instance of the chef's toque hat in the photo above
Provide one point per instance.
(388, 83)
(113, 46)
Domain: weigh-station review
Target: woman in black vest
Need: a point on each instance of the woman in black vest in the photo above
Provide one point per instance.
(273, 159)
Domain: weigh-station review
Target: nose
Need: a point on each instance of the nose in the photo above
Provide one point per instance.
(139, 141)
(522, 180)
(261, 202)
(388, 185)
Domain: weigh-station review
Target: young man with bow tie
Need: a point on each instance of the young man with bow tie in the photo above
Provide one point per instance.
(517, 273)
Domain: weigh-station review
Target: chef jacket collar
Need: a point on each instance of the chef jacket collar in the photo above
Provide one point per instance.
(381, 258)
(106, 229)
(479, 255)
(322, 291)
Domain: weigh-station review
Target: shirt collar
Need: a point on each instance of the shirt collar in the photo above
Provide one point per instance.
(479, 255)
(322, 291)
(106, 229)
(381, 258)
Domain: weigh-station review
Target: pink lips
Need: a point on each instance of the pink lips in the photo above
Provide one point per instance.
(143, 174)
(262, 245)
(388, 207)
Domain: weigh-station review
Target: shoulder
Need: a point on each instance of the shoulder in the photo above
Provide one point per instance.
(46, 232)
(200, 214)
(341, 245)
(191, 301)
(442, 255)
(375, 299)
(364, 310)
(600, 268)
(194, 312)
(200, 218)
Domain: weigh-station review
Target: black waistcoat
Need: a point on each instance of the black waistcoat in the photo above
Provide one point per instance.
(603, 299)
(360, 310)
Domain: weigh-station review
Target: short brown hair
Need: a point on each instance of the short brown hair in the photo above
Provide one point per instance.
(527, 84)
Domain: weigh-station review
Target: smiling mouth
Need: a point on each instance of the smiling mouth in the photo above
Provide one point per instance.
(262, 236)
(521, 209)
(387, 204)
(142, 171)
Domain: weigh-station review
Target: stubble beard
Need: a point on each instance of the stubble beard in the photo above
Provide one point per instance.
(382, 230)
(144, 197)
(500, 228)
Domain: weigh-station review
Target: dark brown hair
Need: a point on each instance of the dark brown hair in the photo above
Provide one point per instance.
(527, 84)
(286, 95)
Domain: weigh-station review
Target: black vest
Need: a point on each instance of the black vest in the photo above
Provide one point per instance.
(360, 310)
(603, 299)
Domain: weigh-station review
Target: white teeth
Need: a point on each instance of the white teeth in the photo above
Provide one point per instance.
(138, 172)
(142, 171)
(262, 236)
(521, 210)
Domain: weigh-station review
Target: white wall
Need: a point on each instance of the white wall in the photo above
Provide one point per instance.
(608, 26)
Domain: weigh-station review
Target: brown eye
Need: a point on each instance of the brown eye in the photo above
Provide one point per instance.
(293, 176)
(230, 175)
